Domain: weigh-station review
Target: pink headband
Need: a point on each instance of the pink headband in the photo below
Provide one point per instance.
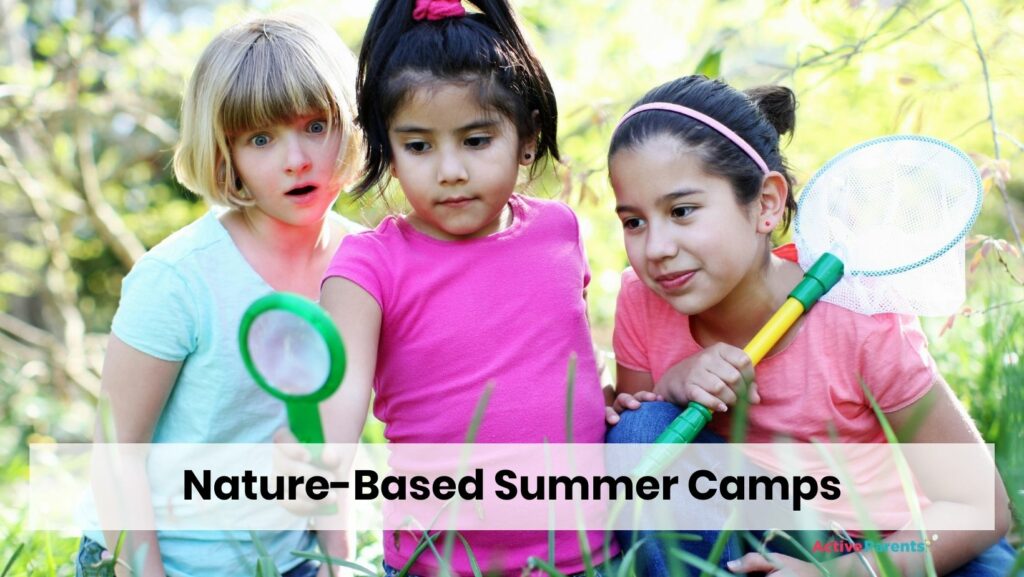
(437, 9)
(704, 119)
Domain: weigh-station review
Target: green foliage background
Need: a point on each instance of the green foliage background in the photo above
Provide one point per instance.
(89, 94)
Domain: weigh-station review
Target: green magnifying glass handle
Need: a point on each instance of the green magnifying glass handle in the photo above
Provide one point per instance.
(304, 421)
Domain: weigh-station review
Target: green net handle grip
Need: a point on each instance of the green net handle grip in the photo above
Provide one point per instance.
(818, 280)
(686, 427)
(681, 432)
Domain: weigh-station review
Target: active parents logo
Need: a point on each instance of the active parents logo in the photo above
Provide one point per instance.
(842, 546)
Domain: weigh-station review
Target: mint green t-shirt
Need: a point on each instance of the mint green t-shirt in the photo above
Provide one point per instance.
(183, 301)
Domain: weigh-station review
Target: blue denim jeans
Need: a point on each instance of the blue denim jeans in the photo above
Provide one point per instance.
(646, 423)
(996, 561)
(652, 558)
(89, 563)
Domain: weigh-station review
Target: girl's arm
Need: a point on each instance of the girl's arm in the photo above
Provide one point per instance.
(137, 386)
(938, 417)
(631, 382)
(631, 388)
(935, 418)
(358, 317)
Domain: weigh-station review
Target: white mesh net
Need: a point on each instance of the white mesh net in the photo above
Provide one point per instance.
(896, 211)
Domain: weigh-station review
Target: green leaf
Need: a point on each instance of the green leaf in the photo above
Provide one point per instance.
(710, 64)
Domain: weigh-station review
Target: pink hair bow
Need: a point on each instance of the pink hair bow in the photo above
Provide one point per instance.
(437, 9)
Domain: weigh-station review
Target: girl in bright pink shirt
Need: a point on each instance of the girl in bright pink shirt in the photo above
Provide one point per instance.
(474, 284)
(700, 185)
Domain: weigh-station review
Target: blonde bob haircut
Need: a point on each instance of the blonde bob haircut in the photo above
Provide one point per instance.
(261, 72)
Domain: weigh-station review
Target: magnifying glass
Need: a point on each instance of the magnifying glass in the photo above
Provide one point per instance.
(294, 352)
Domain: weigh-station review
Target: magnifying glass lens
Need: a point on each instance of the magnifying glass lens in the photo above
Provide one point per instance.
(289, 352)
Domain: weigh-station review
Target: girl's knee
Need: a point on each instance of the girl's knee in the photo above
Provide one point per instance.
(643, 425)
(89, 560)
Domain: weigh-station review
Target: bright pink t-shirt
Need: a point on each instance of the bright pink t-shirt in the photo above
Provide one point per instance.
(508, 308)
(811, 389)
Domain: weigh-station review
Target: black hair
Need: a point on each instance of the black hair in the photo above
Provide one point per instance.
(759, 116)
(487, 49)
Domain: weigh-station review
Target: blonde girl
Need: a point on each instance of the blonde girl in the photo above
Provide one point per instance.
(267, 137)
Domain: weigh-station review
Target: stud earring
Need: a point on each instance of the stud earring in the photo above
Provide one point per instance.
(527, 156)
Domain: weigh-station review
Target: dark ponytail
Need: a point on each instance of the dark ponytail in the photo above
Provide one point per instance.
(487, 49)
(777, 104)
(759, 116)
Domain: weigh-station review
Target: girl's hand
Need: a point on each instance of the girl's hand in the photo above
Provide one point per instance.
(712, 377)
(783, 566)
(291, 459)
(626, 401)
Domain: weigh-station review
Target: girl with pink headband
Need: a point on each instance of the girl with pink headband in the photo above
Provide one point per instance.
(475, 283)
(700, 186)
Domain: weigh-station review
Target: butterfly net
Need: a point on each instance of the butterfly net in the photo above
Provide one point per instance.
(896, 210)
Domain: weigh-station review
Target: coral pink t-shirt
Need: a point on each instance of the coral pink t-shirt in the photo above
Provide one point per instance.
(811, 389)
(508, 308)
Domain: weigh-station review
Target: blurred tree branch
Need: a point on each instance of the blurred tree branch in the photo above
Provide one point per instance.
(63, 298)
(999, 182)
(841, 56)
(108, 223)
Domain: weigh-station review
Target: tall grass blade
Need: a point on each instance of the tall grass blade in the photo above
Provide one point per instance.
(265, 564)
(885, 562)
(698, 563)
(425, 541)
(629, 558)
(536, 563)
(14, 557)
(570, 394)
(335, 561)
(119, 545)
(718, 548)
(797, 545)
(474, 567)
(471, 432)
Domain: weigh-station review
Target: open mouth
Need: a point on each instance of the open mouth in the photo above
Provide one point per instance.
(301, 191)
